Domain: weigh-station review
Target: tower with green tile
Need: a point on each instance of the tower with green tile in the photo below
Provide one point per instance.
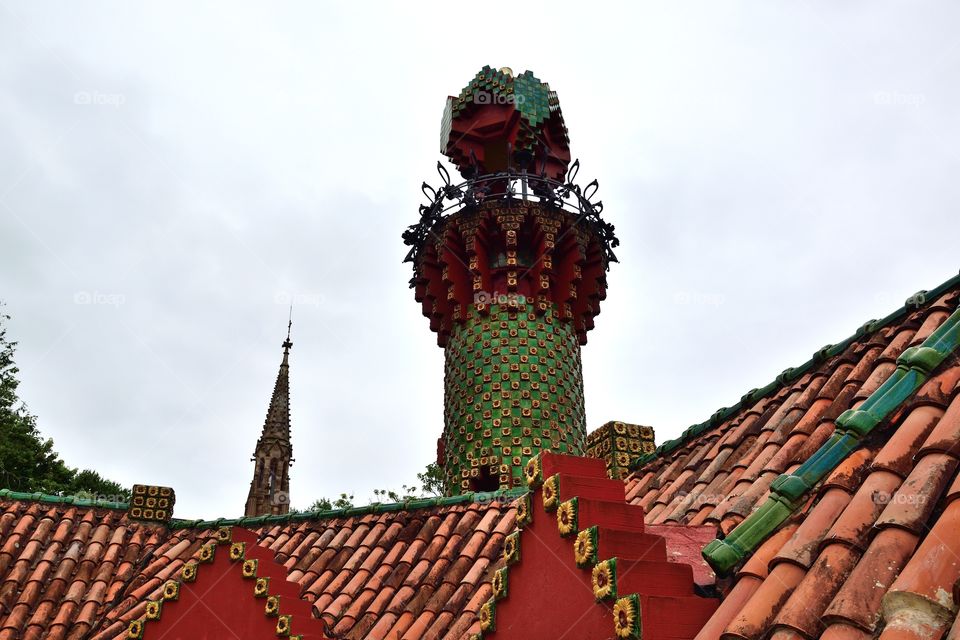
(509, 267)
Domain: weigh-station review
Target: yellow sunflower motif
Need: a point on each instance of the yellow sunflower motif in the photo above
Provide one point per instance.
(524, 513)
(499, 583)
(206, 553)
(488, 616)
(237, 550)
(551, 492)
(532, 472)
(283, 626)
(272, 607)
(135, 630)
(223, 535)
(189, 572)
(261, 588)
(626, 617)
(511, 548)
(584, 548)
(249, 568)
(604, 580)
(567, 517)
(153, 610)
(171, 590)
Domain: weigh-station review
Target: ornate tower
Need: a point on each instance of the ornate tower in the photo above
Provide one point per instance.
(270, 487)
(510, 267)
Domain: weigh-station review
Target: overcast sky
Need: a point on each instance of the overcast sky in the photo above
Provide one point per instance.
(171, 175)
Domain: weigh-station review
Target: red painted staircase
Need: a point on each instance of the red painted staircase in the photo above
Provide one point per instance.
(581, 565)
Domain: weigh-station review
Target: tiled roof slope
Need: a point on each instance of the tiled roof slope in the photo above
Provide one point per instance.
(74, 572)
(875, 551)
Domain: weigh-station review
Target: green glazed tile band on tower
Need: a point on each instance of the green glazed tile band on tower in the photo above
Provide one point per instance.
(513, 386)
(914, 366)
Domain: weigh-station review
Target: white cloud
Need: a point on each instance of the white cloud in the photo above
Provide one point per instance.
(778, 174)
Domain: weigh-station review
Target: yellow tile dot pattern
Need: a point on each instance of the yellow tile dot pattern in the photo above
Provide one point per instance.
(619, 443)
(513, 388)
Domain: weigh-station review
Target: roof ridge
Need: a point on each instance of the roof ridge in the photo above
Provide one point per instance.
(49, 498)
(478, 497)
(791, 374)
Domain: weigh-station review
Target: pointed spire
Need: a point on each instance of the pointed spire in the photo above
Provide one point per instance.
(269, 490)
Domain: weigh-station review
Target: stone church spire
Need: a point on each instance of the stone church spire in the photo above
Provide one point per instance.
(270, 487)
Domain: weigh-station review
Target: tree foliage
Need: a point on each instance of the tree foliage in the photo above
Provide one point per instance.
(431, 484)
(28, 461)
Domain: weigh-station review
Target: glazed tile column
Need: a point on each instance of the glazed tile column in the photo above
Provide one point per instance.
(510, 268)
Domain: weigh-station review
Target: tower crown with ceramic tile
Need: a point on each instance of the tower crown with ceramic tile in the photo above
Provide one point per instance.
(510, 267)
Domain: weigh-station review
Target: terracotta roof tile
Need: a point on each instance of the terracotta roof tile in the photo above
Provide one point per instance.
(865, 526)
(802, 547)
(97, 559)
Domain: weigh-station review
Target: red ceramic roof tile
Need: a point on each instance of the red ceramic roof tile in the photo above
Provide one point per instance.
(801, 548)
(760, 610)
(80, 567)
(865, 528)
(872, 547)
(897, 454)
(913, 503)
(803, 610)
(859, 599)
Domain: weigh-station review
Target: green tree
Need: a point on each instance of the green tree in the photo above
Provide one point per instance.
(345, 501)
(431, 484)
(432, 481)
(28, 461)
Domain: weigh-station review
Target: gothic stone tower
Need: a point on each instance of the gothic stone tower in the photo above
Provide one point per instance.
(270, 487)
(510, 268)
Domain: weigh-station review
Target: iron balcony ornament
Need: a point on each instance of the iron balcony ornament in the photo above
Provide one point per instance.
(449, 198)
